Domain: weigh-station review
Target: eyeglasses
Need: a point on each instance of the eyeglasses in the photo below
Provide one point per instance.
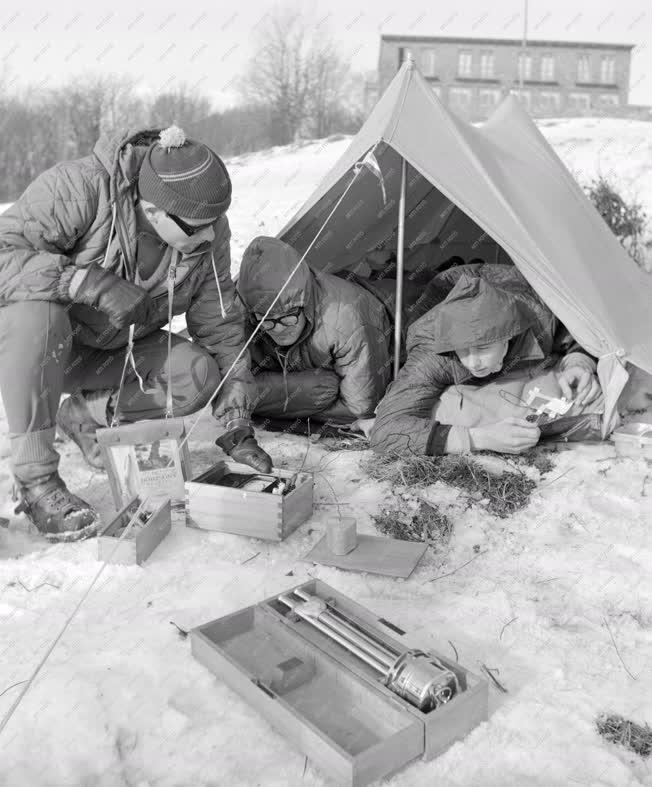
(287, 320)
(189, 229)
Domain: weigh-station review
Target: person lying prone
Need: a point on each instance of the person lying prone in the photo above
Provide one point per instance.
(471, 362)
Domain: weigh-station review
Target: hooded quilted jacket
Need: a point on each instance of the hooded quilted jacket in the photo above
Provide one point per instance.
(347, 329)
(64, 221)
(484, 303)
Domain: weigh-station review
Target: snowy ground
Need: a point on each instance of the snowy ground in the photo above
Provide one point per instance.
(558, 598)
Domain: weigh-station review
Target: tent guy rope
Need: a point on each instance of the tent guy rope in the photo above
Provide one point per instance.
(46, 655)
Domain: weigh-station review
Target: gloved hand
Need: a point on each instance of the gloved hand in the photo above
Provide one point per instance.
(240, 444)
(124, 303)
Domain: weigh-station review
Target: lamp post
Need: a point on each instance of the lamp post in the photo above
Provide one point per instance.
(523, 47)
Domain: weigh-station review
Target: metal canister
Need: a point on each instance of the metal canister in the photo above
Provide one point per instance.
(422, 680)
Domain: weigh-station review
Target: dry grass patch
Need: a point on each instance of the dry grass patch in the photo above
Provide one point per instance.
(501, 493)
(635, 737)
(410, 519)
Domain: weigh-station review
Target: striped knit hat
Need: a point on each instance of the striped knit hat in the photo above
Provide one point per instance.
(184, 177)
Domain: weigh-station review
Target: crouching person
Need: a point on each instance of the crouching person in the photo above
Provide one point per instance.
(323, 351)
(128, 236)
(473, 359)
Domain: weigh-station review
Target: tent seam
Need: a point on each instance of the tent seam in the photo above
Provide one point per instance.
(398, 109)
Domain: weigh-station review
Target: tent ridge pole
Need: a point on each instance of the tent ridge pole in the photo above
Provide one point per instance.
(400, 243)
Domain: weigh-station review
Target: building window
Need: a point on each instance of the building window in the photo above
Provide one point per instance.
(583, 68)
(549, 101)
(524, 66)
(488, 98)
(547, 68)
(579, 101)
(403, 54)
(524, 96)
(428, 62)
(607, 70)
(460, 97)
(609, 100)
(465, 63)
(486, 64)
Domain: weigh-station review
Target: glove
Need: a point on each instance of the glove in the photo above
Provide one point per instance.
(123, 302)
(240, 444)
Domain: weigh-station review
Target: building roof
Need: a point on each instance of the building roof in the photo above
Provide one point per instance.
(502, 41)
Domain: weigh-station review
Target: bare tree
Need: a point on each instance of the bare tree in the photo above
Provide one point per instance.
(39, 127)
(331, 89)
(280, 75)
(88, 106)
(123, 107)
(183, 106)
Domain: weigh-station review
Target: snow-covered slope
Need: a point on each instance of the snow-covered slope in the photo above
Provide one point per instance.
(558, 598)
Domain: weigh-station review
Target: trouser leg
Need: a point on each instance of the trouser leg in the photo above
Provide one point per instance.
(193, 374)
(35, 346)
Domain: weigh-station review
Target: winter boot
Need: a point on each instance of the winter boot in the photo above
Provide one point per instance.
(77, 421)
(57, 513)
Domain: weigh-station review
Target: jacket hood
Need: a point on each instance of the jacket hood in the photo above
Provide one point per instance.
(266, 265)
(122, 154)
(475, 312)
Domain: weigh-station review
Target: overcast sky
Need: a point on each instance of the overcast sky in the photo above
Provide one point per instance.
(160, 43)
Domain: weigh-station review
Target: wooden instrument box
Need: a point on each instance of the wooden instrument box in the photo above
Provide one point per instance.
(142, 539)
(327, 703)
(265, 515)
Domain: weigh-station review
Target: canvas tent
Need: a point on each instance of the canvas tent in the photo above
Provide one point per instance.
(504, 182)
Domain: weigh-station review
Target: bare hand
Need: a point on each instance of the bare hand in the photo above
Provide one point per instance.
(586, 385)
(509, 436)
(364, 425)
(379, 257)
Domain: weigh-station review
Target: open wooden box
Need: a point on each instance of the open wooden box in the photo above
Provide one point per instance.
(210, 506)
(334, 708)
(147, 459)
(142, 539)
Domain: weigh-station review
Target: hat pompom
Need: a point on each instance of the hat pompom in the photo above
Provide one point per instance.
(172, 137)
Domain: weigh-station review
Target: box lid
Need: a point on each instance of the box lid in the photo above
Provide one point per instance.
(142, 431)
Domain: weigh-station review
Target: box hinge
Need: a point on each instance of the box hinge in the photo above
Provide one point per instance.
(263, 687)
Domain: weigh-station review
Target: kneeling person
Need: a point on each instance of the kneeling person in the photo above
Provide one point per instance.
(323, 351)
(470, 361)
(128, 236)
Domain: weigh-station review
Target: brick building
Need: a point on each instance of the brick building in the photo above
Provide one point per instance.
(471, 75)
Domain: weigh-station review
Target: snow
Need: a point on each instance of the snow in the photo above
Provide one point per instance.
(558, 598)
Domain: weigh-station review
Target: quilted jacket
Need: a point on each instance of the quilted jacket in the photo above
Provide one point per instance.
(485, 303)
(63, 221)
(347, 331)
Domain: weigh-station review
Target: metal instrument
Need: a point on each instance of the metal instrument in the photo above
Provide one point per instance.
(418, 677)
(546, 408)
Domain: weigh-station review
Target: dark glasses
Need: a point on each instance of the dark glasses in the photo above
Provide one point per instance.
(189, 229)
(287, 320)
